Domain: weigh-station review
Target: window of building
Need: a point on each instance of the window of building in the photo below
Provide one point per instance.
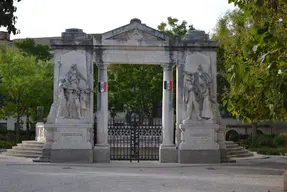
(3, 126)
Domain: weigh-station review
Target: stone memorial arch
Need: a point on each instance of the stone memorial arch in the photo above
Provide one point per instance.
(69, 126)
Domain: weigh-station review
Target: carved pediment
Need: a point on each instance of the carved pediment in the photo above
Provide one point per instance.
(135, 34)
(135, 31)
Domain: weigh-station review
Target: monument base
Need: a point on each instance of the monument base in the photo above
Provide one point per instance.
(199, 156)
(71, 155)
(199, 144)
(102, 154)
(72, 143)
(168, 154)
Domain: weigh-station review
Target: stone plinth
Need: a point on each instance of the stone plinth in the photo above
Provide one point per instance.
(40, 132)
(168, 154)
(72, 143)
(101, 154)
(199, 144)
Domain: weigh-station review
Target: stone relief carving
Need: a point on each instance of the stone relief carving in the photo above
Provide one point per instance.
(72, 99)
(197, 95)
(135, 35)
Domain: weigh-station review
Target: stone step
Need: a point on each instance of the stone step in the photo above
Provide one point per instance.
(237, 152)
(17, 151)
(17, 148)
(28, 145)
(241, 155)
(21, 155)
(232, 146)
(25, 146)
(239, 148)
(33, 142)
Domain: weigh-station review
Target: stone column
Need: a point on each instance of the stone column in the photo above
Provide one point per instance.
(102, 148)
(167, 151)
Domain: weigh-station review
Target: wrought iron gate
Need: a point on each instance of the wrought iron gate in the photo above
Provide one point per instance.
(134, 141)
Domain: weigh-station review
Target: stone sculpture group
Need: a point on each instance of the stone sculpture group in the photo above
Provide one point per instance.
(72, 98)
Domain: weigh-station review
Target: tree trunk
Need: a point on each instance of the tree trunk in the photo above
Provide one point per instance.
(254, 131)
(18, 128)
(27, 124)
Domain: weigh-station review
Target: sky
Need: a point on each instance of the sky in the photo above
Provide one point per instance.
(48, 18)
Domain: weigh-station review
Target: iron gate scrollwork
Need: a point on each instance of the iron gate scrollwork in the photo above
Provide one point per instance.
(134, 141)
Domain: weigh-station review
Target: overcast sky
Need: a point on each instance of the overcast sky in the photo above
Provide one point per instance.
(45, 18)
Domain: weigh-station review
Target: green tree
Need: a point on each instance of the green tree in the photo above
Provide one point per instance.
(7, 15)
(26, 83)
(140, 89)
(173, 28)
(251, 38)
(29, 47)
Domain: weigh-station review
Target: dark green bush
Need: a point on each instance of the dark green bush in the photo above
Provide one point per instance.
(275, 144)
(10, 135)
(6, 144)
(270, 151)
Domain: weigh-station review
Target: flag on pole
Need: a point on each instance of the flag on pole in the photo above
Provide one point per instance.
(102, 87)
(168, 85)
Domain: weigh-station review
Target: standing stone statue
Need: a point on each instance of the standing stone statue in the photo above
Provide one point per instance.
(72, 98)
(197, 95)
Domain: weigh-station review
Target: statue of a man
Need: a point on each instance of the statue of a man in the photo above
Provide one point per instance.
(197, 95)
(191, 98)
(205, 83)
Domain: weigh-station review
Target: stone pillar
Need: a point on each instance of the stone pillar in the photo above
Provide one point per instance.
(102, 148)
(167, 150)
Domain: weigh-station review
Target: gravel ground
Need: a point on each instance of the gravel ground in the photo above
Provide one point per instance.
(21, 175)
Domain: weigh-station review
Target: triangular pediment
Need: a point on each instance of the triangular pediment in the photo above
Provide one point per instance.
(134, 31)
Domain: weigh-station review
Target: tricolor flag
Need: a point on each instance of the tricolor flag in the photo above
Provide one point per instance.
(168, 85)
(102, 87)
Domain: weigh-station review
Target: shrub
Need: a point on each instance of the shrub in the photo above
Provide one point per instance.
(270, 151)
(6, 144)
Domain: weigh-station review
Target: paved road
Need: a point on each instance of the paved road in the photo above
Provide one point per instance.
(18, 175)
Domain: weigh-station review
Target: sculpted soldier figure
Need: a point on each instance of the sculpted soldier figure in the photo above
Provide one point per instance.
(72, 98)
(197, 95)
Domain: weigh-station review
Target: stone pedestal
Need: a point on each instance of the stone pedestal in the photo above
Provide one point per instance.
(168, 154)
(101, 154)
(40, 132)
(72, 143)
(199, 144)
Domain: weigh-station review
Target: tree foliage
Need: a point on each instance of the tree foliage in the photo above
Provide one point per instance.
(26, 82)
(7, 15)
(133, 87)
(173, 28)
(29, 47)
(255, 59)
